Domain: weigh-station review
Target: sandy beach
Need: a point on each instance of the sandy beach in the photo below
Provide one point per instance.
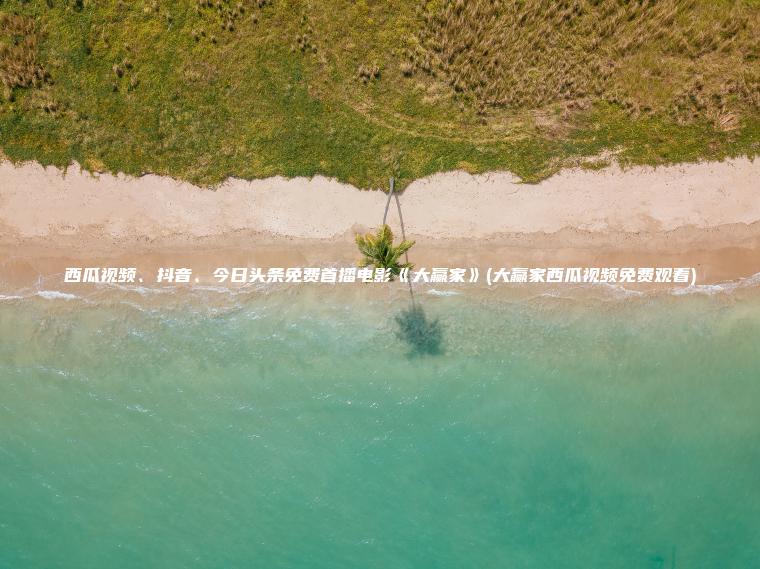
(703, 215)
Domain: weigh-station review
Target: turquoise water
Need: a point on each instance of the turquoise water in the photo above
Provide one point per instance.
(303, 431)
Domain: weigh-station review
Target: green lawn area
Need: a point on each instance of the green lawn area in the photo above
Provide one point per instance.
(206, 90)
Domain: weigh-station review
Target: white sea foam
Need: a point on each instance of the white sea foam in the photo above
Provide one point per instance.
(611, 290)
(144, 290)
(56, 295)
(10, 297)
(138, 408)
(724, 287)
(436, 292)
(701, 289)
(620, 290)
(55, 371)
(217, 289)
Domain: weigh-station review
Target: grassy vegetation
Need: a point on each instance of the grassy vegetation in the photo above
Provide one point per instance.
(362, 89)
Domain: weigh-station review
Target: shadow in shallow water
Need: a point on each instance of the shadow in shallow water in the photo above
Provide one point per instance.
(423, 336)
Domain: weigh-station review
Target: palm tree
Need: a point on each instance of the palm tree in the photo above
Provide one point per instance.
(379, 251)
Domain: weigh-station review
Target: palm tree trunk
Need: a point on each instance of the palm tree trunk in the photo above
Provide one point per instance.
(392, 194)
(403, 238)
(388, 202)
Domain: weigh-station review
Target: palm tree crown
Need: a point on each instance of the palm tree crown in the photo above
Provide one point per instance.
(379, 251)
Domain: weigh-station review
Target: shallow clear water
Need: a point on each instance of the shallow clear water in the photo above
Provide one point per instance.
(303, 431)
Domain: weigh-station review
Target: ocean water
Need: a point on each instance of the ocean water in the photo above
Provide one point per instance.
(303, 429)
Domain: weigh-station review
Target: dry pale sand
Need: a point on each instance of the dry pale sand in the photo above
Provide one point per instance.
(703, 215)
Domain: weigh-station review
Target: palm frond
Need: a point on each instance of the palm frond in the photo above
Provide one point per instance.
(378, 250)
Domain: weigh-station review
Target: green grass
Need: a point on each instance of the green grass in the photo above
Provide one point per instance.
(251, 106)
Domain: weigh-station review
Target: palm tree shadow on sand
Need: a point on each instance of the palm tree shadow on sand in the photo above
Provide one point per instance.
(423, 336)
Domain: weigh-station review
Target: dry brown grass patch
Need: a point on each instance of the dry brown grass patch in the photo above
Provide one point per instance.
(687, 57)
(19, 64)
